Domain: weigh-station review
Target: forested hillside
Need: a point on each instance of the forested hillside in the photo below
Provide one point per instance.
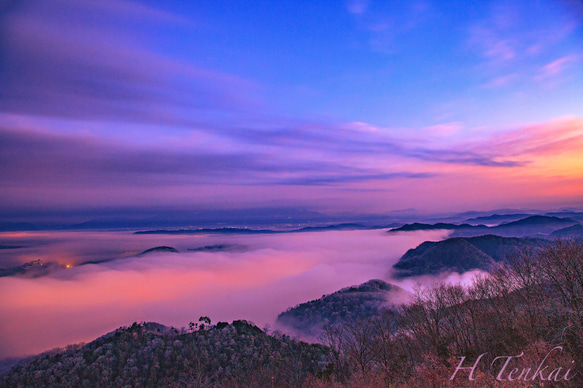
(461, 254)
(528, 308)
(346, 305)
(150, 355)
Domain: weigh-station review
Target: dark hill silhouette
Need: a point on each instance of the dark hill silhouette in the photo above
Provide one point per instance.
(575, 231)
(454, 254)
(499, 248)
(159, 250)
(31, 269)
(215, 248)
(345, 226)
(10, 247)
(346, 305)
(208, 231)
(497, 218)
(17, 226)
(547, 221)
(439, 226)
(576, 215)
(461, 254)
(535, 226)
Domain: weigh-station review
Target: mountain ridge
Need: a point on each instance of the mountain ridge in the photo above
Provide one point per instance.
(462, 254)
(345, 305)
(535, 225)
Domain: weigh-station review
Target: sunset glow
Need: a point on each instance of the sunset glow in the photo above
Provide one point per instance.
(95, 120)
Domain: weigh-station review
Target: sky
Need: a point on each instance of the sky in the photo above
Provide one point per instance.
(333, 106)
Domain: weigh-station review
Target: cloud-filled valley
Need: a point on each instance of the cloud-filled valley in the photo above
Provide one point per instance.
(272, 273)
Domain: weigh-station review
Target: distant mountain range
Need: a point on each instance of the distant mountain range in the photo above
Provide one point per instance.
(531, 225)
(148, 218)
(536, 226)
(347, 226)
(461, 254)
(208, 231)
(496, 219)
(346, 305)
(256, 218)
(417, 226)
(6, 226)
(575, 231)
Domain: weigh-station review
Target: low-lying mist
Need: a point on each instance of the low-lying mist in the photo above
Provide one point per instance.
(262, 277)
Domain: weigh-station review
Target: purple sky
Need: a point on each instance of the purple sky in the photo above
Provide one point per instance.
(360, 106)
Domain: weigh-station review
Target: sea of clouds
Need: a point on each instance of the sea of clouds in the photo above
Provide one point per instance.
(255, 278)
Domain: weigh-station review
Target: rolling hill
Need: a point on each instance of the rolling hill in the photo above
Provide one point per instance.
(461, 254)
(343, 306)
(152, 355)
(575, 231)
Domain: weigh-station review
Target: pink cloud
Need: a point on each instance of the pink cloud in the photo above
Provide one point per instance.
(444, 130)
(60, 68)
(128, 9)
(492, 45)
(556, 67)
(357, 6)
(502, 81)
(549, 138)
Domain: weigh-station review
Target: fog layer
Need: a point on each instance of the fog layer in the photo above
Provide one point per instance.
(265, 275)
